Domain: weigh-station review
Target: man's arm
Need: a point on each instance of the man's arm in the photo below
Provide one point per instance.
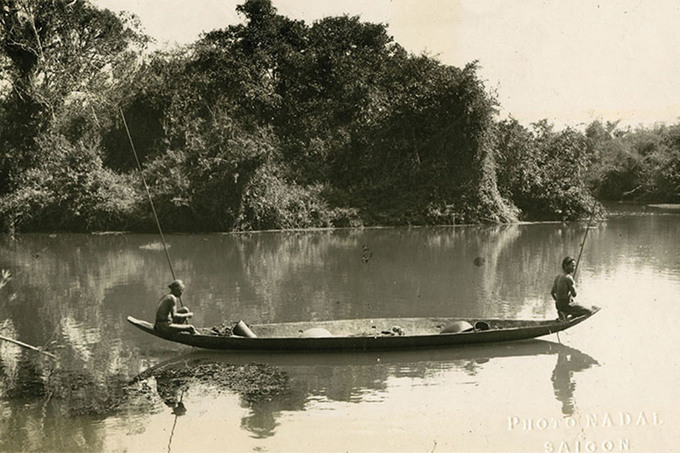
(553, 291)
(571, 285)
(176, 314)
(184, 315)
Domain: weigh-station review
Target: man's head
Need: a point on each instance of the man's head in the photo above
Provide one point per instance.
(176, 287)
(568, 264)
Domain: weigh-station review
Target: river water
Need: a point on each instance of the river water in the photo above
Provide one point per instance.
(609, 384)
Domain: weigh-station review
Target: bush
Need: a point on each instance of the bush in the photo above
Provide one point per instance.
(640, 164)
(71, 190)
(269, 202)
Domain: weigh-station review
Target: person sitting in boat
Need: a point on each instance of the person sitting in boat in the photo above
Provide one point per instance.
(170, 318)
(564, 291)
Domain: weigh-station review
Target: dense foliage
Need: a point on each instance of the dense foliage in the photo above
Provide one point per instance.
(274, 123)
(543, 171)
(635, 164)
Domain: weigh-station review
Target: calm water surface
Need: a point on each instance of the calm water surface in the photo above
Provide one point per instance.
(609, 384)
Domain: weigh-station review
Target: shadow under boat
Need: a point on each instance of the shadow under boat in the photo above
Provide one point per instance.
(285, 359)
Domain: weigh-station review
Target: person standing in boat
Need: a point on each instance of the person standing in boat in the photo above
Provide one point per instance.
(564, 291)
(171, 317)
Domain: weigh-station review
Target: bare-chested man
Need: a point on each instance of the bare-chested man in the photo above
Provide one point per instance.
(170, 318)
(564, 291)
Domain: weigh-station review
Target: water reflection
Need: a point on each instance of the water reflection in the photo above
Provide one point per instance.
(569, 362)
(178, 409)
(74, 292)
(283, 276)
(357, 378)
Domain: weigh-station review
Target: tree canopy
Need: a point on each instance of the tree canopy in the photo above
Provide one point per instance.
(277, 123)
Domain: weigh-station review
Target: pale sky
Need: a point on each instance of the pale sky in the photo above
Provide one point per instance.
(570, 62)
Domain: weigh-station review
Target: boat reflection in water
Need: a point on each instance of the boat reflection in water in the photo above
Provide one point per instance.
(360, 377)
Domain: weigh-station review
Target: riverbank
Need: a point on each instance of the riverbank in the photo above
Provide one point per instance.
(668, 206)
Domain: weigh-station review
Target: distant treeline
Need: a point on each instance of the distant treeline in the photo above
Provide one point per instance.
(276, 123)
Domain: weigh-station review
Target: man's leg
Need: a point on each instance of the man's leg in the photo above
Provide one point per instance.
(177, 320)
(183, 328)
(578, 310)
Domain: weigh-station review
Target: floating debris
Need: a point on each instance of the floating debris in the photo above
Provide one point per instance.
(153, 246)
(366, 254)
(256, 382)
(5, 277)
(76, 393)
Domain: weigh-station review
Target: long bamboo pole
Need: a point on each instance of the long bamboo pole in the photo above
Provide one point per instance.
(148, 194)
(585, 236)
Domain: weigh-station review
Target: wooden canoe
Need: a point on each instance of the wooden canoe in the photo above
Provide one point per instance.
(368, 334)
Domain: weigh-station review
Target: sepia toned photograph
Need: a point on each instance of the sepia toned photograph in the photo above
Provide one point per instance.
(339, 226)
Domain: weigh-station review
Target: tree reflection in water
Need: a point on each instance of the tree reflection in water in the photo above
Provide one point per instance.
(83, 286)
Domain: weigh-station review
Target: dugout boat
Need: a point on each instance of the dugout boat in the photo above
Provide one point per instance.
(368, 334)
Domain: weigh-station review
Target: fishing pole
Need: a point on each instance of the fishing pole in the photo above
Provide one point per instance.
(148, 194)
(592, 215)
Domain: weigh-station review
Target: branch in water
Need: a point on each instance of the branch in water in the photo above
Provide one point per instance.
(28, 346)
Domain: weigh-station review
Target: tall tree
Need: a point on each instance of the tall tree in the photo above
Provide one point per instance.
(57, 54)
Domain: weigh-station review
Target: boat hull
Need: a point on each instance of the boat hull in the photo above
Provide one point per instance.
(365, 334)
